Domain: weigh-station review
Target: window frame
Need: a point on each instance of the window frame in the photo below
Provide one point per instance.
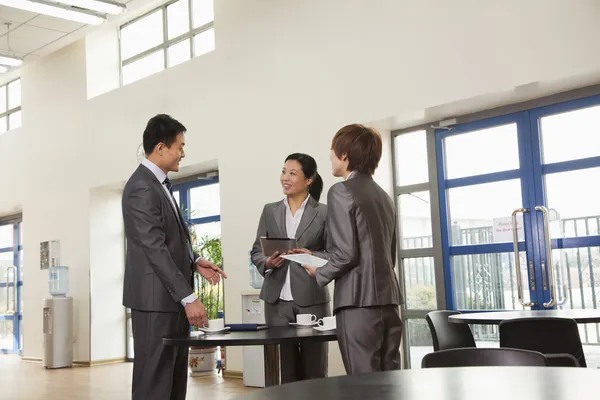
(166, 43)
(9, 111)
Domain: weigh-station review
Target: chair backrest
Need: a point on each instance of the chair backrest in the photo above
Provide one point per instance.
(550, 335)
(483, 357)
(448, 335)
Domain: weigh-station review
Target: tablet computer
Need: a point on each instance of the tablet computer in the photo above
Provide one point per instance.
(282, 245)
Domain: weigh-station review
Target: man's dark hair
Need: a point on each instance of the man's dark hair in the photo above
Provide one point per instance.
(361, 145)
(161, 128)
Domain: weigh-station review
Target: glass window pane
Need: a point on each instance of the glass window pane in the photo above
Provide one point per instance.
(14, 120)
(142, 35)
(204, 42)
(415, 220)
(571, 135)
(488, 282)
(482, 152)
(179, 53)
(178, 19)
(211, 229)
(3, 124)
(203, 12)
(14, 94)
(475, 210)
(144, 67)
(573, 202)
(419, 283)
(3, 99)
(6, 236)
(205, 201)
(411, 158)
(419, 341)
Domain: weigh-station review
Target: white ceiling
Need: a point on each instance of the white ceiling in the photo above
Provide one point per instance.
(34, 35)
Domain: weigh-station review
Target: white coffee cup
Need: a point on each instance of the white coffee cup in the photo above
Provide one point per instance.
(306, 319)
(327, 323)
(216, 323)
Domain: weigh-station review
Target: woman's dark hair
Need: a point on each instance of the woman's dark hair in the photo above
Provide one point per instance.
(309, 168)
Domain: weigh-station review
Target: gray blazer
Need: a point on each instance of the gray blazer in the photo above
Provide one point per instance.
(361, 225)
(311, 234)
(159, 260)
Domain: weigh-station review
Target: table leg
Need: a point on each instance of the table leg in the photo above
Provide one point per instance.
(272, 365)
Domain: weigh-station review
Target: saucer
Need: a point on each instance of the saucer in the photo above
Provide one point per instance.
(297, 325)
(321, 329)
(217, 330)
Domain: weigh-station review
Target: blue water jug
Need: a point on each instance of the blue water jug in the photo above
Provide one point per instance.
(256, 279)
(58, 281)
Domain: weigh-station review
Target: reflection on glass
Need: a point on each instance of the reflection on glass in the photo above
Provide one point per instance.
(415, 220)
(6, 236)
(205, 201)
(178, 19)
(14, 94)
(203, 12)
(419, 341)
(204, 42)
(142, 35)
(14, 120)
(419, 283)
(571, 135)
(6, 334)
(488, 281)
(411, 158)
(481, 152)
(211, 229)
(572, 199)
(143, 67)
(179, 52)
(473, 210)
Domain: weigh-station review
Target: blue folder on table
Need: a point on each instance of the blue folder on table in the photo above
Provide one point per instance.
(246, 327)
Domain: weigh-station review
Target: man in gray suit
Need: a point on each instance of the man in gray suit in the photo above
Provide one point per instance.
(159, 266)
(361, 228)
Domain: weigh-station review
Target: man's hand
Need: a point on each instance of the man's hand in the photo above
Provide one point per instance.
(210, 271)
(275, 261)
(301, 251)
(196, 313)
(312, 271)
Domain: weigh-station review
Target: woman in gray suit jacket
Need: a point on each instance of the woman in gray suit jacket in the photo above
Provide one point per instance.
(287, 289)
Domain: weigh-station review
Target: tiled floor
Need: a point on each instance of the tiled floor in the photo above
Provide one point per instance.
(31, 381)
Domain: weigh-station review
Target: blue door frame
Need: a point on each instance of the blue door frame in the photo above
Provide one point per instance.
(531, 172)
(17, 317)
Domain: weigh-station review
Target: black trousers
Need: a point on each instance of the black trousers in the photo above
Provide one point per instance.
(159, 372)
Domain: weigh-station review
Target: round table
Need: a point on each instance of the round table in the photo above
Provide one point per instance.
(472, 383)
(271, 338)
(494, 318)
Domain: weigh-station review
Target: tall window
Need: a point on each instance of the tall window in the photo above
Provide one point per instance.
(167, 36)
(416, 198)
(10, 106)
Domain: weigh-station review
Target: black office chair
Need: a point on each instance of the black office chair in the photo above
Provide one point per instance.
(556, 338)
(448, 335)
(483, 357)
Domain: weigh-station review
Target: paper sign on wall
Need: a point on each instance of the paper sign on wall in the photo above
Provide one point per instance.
(503, 229)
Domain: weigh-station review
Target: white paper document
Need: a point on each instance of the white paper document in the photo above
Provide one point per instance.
(306, 259)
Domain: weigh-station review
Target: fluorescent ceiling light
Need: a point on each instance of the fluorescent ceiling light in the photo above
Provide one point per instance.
(105, 7)
(53, 11)
(3, 69)
(10, 61)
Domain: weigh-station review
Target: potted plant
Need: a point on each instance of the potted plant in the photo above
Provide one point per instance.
(205, 360)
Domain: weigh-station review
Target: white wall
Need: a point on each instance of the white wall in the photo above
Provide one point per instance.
(107, 263)
(285, 76)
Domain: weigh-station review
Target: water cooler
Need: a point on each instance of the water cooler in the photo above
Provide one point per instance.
(58, 320)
